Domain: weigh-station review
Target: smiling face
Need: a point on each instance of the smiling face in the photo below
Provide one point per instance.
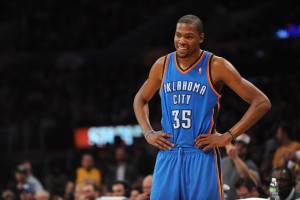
(187, 40)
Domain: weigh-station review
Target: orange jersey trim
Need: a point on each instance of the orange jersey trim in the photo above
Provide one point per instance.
(208, 77)
(196, 63)
(165, 69)
(216, 155)
(218, 175)
(212, 122)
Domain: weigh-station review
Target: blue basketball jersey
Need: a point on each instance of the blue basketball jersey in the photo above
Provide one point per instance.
(189, 101)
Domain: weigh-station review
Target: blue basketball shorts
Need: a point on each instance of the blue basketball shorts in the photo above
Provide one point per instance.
(187, 174)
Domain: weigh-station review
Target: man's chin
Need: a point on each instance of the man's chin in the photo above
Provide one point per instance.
(284, 192)
(180, 55)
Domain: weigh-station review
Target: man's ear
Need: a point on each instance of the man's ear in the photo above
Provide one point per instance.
(202, 35)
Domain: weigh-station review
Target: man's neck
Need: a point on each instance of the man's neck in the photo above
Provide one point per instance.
(186, 62)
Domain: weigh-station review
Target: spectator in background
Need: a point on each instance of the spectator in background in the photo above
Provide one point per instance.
(146, 186)
(119, 142)
(31, 179)
(246, 188)
(237, 164)
(286, 183)
(270, 147)
(121, 189)
(19, 181)
(42, 195)
(135, 192)
(56, 180)
(287, 147)
(27, 192)
(294, 165)
(70, 191)
(78, 193)
(8, 195)
(122, 170)
(87, 173)
(91, 191)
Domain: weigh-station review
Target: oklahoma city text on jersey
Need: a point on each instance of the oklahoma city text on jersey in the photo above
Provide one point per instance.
(184, 86)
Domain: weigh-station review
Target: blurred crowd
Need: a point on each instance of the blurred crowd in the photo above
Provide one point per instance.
(120, 173)
(53, 25)
(119, 170)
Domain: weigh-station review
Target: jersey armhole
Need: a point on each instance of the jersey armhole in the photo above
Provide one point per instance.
(166, 61)
(163, 71)
(217, 90)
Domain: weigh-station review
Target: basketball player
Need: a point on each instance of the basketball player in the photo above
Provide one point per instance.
(189, 81)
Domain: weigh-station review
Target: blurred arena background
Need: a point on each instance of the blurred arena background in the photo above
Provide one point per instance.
(68, 64)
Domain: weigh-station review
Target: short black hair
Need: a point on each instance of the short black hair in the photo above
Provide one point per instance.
(193, 20)
(126, 186)
(245, 181)
(289, 172)
(94, 185)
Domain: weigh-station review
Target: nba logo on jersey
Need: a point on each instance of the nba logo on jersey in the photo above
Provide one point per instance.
(200, 70)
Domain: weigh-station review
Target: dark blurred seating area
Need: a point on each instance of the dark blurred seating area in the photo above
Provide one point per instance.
(72, 25)
(70, 64)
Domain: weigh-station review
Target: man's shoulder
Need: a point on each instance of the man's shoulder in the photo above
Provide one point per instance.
(160, 62)
(79, 169)
(96, 169)
(226, 160)
(83, 170)
(296, 144)
(217, 60)
(251, 164)
(32, 178)
(296, 195)
(163, 59)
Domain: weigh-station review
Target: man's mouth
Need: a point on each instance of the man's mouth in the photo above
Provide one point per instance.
(182, 48)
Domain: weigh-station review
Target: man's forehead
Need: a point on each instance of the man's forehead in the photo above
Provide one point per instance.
(185, 27)
(243, 189)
